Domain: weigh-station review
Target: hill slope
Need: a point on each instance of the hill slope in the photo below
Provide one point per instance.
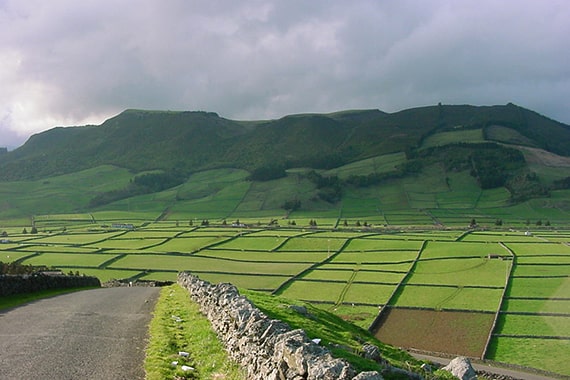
(192, 141)
(349, 164)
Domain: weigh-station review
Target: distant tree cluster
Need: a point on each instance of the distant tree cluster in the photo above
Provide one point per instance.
(268, 172)
(142, 184)
(330, 188)
(291, 205)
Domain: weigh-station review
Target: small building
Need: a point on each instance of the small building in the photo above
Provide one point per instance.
(123, 226)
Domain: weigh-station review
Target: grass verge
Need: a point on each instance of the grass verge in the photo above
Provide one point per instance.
(9, 302)
(178, 326)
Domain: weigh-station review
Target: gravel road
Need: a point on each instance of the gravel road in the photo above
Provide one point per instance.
(91, 334)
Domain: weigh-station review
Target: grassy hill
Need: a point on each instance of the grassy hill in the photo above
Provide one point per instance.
(431, 162)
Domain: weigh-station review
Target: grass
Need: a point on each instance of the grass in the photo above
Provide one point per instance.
(206, 264)
(461, 272)
(461, 135)
(546, 354)
(319, 291)
(513, 324)
(8, 302)
(68, 259)
(331, 329)
(193, 334)
(460, 249)
(537, 306)
(539, 287)
(365, 272)
(375, 257)
(457, 298)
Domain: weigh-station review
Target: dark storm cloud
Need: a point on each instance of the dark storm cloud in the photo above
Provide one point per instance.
(71, 63)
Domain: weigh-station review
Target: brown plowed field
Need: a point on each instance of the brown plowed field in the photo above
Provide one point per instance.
(450, 332)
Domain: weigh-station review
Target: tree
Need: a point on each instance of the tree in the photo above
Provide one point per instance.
(34, 230)
(24, 231)
(499, 222)
(291, 205)
(4, 234)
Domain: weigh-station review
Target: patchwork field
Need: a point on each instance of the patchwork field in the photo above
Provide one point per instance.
(449, 284)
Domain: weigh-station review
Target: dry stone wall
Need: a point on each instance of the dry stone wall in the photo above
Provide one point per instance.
(269, 349)
(28, 283)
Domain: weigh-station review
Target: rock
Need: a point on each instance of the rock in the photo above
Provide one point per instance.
(461, 368)
(368, 375)
(371, 352)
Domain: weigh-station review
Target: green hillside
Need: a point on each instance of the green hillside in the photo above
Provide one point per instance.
(430, 165)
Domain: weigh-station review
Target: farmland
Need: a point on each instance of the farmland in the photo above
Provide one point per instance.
(457, 280)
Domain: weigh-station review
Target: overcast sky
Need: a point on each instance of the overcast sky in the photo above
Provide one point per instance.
(69, 62)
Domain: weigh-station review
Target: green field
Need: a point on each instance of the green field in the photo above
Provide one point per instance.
(352, 272)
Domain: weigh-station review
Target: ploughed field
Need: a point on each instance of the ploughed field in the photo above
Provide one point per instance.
(502, 295)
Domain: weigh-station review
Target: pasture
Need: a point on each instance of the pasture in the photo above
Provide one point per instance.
(464, 278)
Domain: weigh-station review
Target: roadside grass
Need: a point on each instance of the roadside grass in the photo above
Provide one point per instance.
(8, 302)
(344, 339)
(178, 326)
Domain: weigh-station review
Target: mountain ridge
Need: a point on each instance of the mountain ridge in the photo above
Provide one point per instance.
(190, 141)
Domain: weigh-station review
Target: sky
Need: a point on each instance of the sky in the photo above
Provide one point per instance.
(69, 62)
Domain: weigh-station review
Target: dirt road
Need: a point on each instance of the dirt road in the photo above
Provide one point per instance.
(91, 334)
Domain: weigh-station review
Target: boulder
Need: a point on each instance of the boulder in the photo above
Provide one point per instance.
(461, 368)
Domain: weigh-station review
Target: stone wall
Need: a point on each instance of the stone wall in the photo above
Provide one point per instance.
(29, 283)
(269, 349)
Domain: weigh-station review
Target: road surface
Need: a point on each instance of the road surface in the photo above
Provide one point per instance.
(90, 334)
